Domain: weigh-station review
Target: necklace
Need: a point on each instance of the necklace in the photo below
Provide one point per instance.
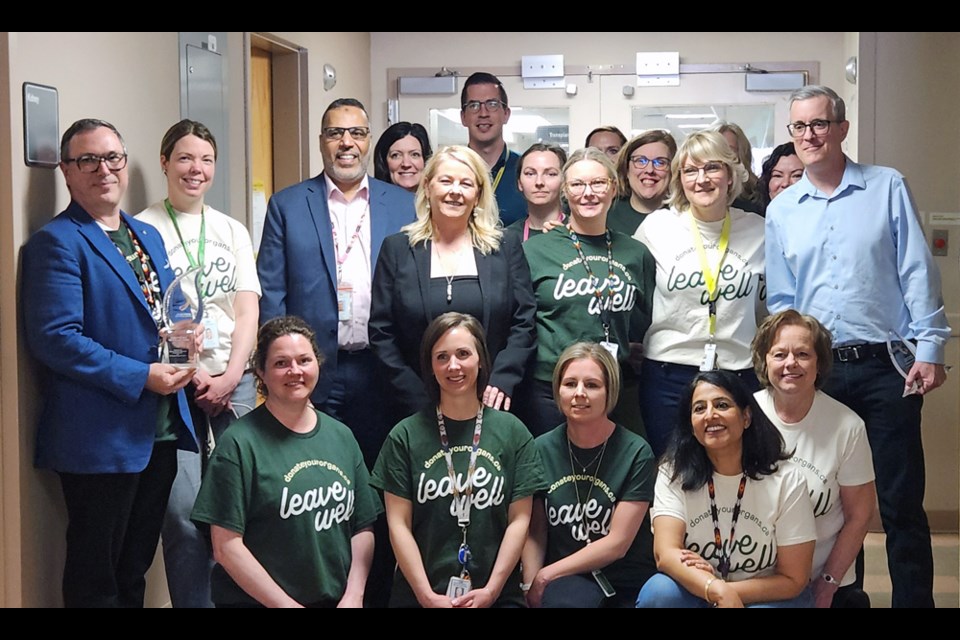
(726, 553)
(586, 465)
(592, 479)
(447, 272)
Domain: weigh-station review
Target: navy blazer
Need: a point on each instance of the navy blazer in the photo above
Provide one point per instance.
(400, 313)
(88, 324)
(297, 265)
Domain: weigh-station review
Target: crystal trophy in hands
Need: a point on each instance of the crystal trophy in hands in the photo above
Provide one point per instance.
(182, 314)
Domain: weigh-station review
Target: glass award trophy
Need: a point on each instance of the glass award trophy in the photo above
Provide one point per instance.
(182, 313)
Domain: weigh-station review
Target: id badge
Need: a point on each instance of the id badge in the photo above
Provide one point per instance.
(709, 362)
(458, 587)
(612, 348)
(211, 335)
(604, 583)
(344, 302)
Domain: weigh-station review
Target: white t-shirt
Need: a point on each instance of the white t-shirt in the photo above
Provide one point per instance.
(831, 449)
(229, 267)
(775, 512)
(680, 326)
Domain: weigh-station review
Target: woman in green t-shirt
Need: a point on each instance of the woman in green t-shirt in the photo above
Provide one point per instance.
(287, 494)
(590, 543)
(458, 481)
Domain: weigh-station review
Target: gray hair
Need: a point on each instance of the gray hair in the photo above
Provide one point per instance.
(815, 91)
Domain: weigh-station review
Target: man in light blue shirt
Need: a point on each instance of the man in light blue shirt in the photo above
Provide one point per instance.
(845, 245)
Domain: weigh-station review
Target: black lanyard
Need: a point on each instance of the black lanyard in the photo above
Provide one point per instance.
(725, 554)
(595, 282)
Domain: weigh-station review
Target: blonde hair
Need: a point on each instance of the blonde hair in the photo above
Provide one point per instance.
(744, 154)
(702, 147)
(484, 222)
(589, 351)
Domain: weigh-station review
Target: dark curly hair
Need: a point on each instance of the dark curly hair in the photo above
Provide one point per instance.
(268, 334)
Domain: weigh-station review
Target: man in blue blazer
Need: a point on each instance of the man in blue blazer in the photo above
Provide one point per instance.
(320, 244)
(113, 416)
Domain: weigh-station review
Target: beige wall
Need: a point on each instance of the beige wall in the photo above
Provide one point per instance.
(911, 86)
(349, 53)
(453, 49)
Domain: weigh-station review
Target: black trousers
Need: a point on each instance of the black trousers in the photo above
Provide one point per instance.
(113, 530)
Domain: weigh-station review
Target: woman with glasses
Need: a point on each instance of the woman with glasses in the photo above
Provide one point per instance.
(781, 169)
(792, 354)
(643, 169)
(198, 236)
(732, 521)
(453, 257)
(710, 293)
(590, 543)
(458, 480)
(592, 284)
(400, 155)
(539, 178)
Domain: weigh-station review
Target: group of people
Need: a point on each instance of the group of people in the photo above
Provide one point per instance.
(594, 380)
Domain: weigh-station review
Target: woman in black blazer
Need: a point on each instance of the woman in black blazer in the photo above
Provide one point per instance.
(454, 257)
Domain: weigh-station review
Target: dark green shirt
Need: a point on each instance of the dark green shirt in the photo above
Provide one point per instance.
(412, 466)
(297, 498)
(567, 309)
(627, 472)
(623, 217)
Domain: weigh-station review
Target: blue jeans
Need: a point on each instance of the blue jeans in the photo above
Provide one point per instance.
(873, 389)
(186, 552)
(661, 385)
(663, 592)
(581, 591)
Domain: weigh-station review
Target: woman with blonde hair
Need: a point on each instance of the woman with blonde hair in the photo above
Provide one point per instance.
(592, 284)
(590, 543)
(710, 293)
(750, 199)
(453, 257)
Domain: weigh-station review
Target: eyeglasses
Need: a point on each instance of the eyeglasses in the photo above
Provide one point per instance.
(492, 105)
(819, 127)
(641, 162)
(598, 186)
(710, 170)
(903, 354)
(336, 133)
(90, 162)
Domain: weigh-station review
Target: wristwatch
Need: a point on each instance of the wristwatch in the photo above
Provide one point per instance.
(829, 579)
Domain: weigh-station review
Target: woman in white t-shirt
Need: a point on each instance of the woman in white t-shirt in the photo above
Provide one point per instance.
(197, 235)
(793, 357)
(732, 523)
(710, 293)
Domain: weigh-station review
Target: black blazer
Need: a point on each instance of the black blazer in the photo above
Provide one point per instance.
(399, 314)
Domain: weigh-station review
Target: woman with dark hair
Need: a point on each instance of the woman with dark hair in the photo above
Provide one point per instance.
(457, 519)
(540, 180)
(608, 139)
(198, 236)
(590, 543)
(401, 153)
(710, 294)
(643, 169)
(287, 494)
(781, 169)
(732, 520)
(793, 357)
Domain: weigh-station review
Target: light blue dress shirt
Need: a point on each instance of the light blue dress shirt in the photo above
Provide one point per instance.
(857, 260)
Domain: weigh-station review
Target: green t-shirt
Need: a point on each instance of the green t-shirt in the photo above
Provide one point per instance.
(623, 217)
(627, 472)
(567, 309)
(412, 466)
(298, 499)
